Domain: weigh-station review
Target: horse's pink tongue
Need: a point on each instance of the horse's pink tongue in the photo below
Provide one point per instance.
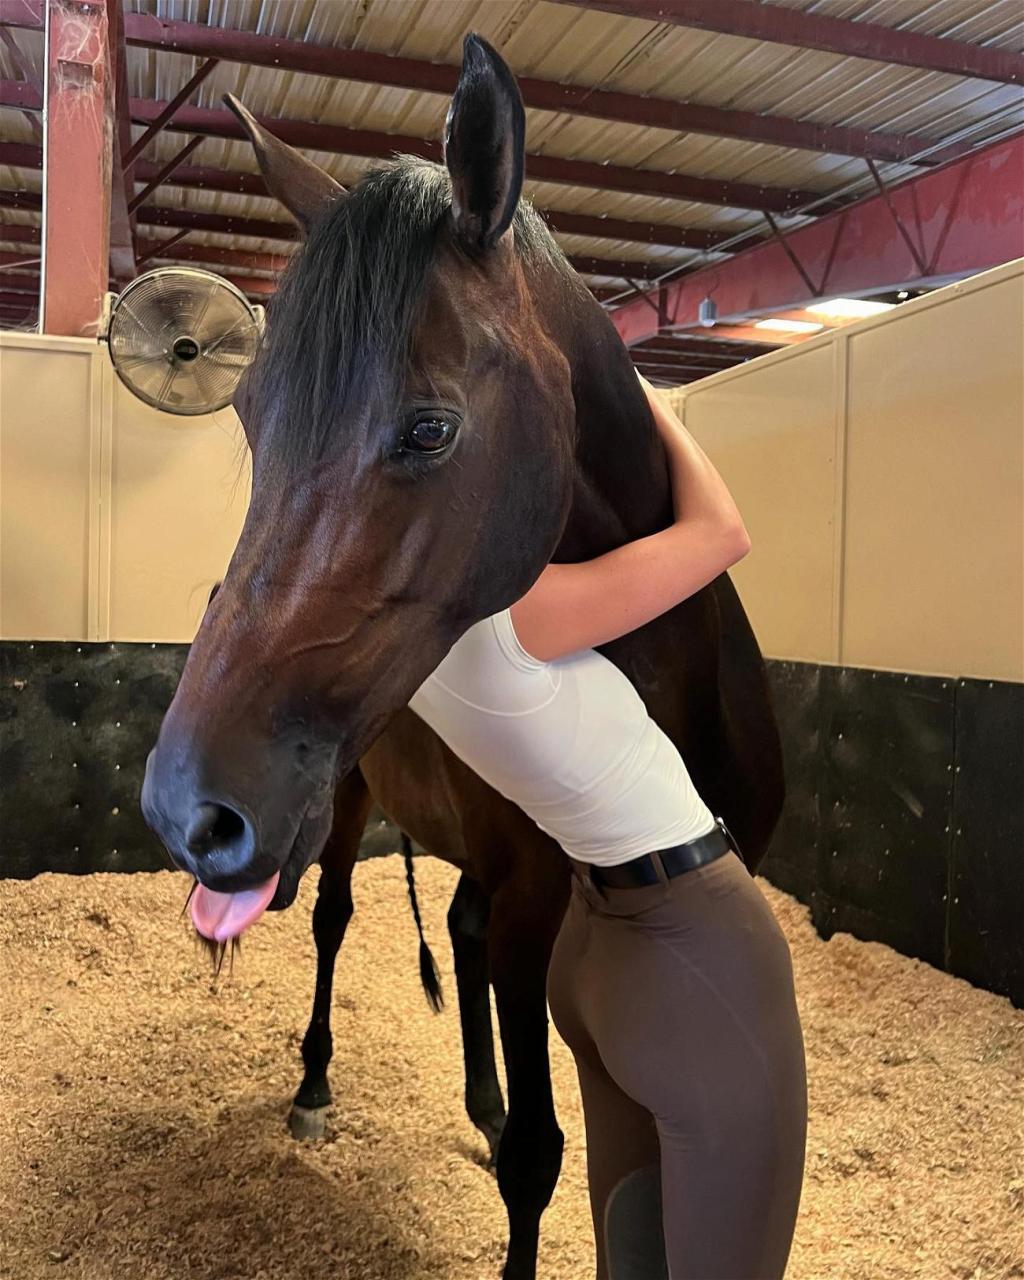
(222, 916)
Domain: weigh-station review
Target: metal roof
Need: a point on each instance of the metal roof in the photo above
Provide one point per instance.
(575, 46)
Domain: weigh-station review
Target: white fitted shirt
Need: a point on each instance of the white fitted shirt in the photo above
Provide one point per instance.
(569, 741)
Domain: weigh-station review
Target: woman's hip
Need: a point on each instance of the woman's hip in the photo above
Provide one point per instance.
(698, 959)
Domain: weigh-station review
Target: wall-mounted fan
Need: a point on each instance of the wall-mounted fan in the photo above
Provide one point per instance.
(181, 338)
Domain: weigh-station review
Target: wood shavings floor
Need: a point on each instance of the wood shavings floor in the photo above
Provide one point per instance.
(142, 1131)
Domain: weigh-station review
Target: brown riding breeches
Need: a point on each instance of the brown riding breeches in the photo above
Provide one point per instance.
(677, 1003)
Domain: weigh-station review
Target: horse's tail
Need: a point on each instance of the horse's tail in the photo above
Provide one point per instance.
(429, 975)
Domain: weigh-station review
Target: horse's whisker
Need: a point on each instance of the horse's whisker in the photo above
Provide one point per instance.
(195, 886)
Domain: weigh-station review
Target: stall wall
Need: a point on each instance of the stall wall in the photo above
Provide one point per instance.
(116, 519)
(880, 472)
(880, 469)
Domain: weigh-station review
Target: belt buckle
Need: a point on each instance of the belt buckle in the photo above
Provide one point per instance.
(733, 845)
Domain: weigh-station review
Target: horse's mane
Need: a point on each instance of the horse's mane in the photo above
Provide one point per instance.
(340, 323)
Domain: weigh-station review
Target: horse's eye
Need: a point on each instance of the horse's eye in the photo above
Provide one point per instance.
(430, 434)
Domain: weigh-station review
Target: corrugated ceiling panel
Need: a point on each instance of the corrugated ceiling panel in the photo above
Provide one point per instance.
(574, 45)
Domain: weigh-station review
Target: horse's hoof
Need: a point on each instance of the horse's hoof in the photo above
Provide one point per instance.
(307, 1124)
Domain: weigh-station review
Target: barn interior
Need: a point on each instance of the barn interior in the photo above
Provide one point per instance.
(805, 221)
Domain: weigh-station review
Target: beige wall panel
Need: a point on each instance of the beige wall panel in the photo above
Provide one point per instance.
(48, 401)
(934, 559)
(771, 431)
(180, 488)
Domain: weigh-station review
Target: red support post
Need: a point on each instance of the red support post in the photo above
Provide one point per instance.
(122, 225)
(79, 126)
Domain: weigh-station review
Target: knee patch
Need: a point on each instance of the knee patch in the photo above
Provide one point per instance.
(633, 1233)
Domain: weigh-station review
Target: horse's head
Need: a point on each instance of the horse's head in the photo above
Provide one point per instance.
(411, 424)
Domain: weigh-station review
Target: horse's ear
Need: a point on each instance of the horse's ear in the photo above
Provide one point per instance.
(300, 185)
(484, 140)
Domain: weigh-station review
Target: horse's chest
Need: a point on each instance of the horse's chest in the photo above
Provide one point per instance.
(442, 804)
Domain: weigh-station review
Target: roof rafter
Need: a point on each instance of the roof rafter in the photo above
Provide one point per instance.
(802, 30)
(148, 31)
(194, 220)
(25, 156)
(216, 123)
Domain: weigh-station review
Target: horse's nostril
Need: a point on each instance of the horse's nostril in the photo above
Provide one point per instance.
(213, 826)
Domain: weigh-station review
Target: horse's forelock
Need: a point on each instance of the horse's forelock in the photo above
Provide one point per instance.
(342, 319)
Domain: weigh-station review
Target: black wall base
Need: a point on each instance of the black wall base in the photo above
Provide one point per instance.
(904, 820)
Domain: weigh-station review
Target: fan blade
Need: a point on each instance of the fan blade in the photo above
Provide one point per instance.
(244, 324)
(128, 362)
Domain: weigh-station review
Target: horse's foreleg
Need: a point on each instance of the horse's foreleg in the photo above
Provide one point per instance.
(331, 914)
(467, 925)
(526, 912)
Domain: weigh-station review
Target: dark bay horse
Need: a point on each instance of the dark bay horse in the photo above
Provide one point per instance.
(439, 409)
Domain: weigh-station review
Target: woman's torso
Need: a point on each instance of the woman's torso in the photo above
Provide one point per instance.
(570, 742)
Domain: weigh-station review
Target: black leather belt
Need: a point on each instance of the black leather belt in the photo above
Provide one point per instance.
(638, 872)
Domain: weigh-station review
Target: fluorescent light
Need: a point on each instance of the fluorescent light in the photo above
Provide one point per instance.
(788, 326)
(850, 308)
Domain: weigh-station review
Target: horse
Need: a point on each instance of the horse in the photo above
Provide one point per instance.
(439, 409)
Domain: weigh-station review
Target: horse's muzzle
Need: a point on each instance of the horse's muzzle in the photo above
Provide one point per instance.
(234, 834)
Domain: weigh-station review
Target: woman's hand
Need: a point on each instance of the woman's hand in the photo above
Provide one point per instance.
(580, 606)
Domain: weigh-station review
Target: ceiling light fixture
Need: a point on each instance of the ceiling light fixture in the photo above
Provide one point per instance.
(788, 326)
(849, 308)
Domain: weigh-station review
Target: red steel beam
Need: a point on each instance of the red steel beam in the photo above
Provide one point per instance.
(10, 259)
(271, 263)
(275, 262)
(648, 366)
(567, 223)
(970, 214)
(26, 284)
(618, 269)
(154, 216)
(162, 174)
(147, 31)
(582, 224)
(215, 123)
(686, 357)
(686, 342)
(79, 124)
(24, 156)
(309, 136)
(256, 288)
(208, 253)
(168, 113)
(19, 234)
(802, 30)
(362, 65)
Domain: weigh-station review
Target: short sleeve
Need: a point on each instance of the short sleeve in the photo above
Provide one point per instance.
(511, 647)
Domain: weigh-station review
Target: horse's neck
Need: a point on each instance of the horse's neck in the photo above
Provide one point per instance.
(621, 487)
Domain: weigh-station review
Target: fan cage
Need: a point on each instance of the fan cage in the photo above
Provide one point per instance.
(180, 339)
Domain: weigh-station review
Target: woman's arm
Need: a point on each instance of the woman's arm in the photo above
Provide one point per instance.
(579, 606)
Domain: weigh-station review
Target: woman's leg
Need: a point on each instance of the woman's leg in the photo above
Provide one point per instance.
(623, 1170)
(624, 1176)
(698, 1024)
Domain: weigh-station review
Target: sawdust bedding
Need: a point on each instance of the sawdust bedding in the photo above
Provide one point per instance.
(142, 1134)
